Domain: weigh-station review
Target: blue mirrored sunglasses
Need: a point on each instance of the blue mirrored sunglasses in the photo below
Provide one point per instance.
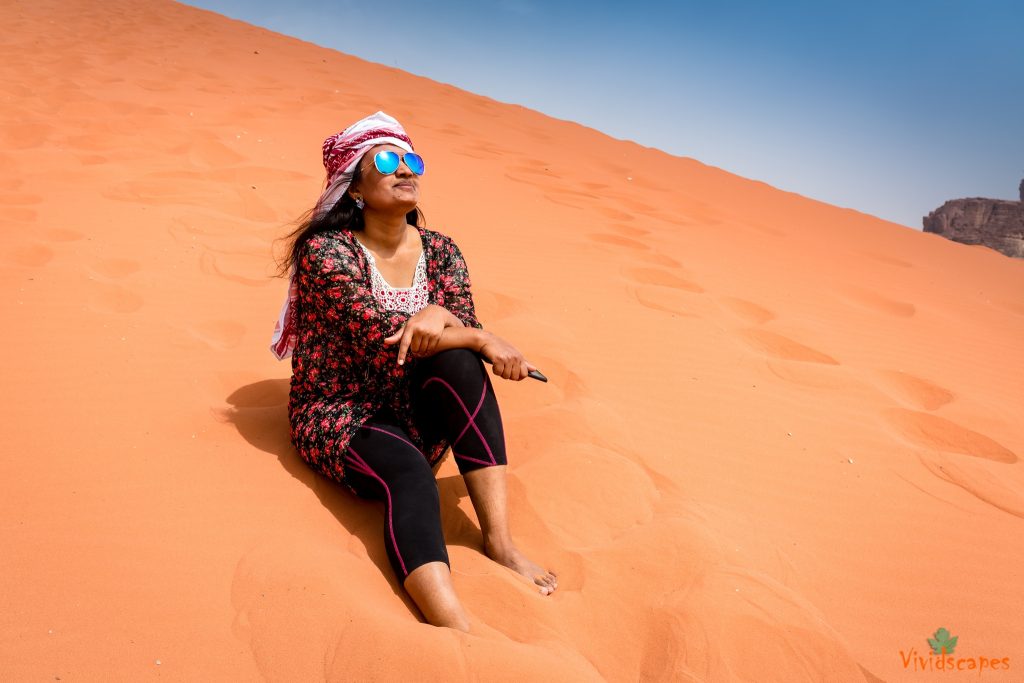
(387, 162)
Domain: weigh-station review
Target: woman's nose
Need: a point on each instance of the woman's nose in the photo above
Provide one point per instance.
(403, 169)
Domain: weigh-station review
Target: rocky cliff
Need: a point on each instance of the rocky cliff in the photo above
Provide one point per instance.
(995, 223)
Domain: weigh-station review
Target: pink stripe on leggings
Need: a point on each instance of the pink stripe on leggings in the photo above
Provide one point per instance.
(384, 431)
(391, 525)
(471, 423)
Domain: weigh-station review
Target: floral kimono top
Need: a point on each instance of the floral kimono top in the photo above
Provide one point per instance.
(342, 372)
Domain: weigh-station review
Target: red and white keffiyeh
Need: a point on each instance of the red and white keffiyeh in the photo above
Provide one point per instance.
(342, 152)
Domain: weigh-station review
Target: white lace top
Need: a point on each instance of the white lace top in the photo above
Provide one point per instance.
(406, 299)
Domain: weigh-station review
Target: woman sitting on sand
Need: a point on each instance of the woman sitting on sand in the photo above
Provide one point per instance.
(385, 379)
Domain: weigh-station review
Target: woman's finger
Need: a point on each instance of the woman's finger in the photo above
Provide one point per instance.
(416, 346)
(403, 347)
(396, 336)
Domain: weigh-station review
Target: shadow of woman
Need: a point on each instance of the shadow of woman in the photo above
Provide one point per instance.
(259, 411)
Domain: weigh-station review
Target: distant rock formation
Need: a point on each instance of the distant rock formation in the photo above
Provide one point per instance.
(995, 223)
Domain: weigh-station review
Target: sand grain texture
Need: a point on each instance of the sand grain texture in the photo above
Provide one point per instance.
(781, 440)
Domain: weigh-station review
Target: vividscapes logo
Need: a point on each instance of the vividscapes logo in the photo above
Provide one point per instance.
(943, 657)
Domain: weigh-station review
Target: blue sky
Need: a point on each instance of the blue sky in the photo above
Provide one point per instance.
(889, 108)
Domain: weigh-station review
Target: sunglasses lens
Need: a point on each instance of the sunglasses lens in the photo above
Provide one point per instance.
(414, 162)
(386, 162)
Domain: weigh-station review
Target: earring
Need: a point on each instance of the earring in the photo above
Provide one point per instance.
(359, 202)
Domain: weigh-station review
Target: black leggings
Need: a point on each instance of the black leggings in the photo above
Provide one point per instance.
(452, 397)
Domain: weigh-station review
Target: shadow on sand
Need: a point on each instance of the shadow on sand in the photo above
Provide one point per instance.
(259, 413)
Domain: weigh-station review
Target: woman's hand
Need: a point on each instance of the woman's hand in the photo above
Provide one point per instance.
(421, 333)
(506, 361)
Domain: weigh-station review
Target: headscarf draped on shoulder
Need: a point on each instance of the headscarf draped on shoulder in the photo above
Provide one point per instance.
(342, 152)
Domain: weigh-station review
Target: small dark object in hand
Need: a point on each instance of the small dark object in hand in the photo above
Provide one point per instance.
(536, 374)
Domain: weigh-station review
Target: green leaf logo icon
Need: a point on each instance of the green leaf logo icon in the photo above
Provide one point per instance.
(942, 643)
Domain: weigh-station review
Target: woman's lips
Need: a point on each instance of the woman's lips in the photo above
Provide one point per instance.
(406, 186)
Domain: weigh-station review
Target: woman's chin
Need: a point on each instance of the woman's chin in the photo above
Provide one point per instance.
(406, 204)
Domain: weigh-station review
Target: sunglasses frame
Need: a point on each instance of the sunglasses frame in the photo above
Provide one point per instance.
(399, 160)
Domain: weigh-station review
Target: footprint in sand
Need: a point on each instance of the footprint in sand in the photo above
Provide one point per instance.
(255, 207)
(778, 346)
(747, 310)
(674, 301)
(20, 198)
(615, 496)
(662, 278)
(537, 169)
(934, 432)
(220, 334)
(659, 259)
(115, 267)
(247, 176)
(877, 302)
(494, 306)
(892, 261)
(62, 235)
(480, 150)
(919, 392)
(213, 154)
(16, 204)
(452, 130)
(616, 240)
(637, 206)
(114, 298)
(30, 255)
(24, 135)
(629, 230)
(93, 144)
(615, 214)
(239, 268)
(175, 187)
(560, 377)
(91, 159)
(577, 200)
(977, 482)
(663, 290)
(813, 375)
(20, 214)
(767, 229)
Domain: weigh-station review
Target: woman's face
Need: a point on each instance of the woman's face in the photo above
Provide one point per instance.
(397, 192)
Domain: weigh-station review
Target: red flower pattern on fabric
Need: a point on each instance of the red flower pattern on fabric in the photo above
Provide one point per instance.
(342, 372)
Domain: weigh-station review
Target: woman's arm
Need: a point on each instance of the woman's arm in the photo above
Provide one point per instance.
(462, 338)
(506, 361)
(424, 329)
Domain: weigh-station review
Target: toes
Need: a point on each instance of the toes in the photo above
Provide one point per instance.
(550, 581)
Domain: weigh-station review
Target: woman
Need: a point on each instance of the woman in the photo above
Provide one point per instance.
(384, 338)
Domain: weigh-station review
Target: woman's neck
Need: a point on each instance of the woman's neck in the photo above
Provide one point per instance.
(384, 234)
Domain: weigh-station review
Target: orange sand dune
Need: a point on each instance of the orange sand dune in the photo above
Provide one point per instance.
(780, 442)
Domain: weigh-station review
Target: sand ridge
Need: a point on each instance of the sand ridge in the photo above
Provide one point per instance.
(780, 440)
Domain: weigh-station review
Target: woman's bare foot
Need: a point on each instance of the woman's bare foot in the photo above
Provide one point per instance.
(487, 489)
(508, 555)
